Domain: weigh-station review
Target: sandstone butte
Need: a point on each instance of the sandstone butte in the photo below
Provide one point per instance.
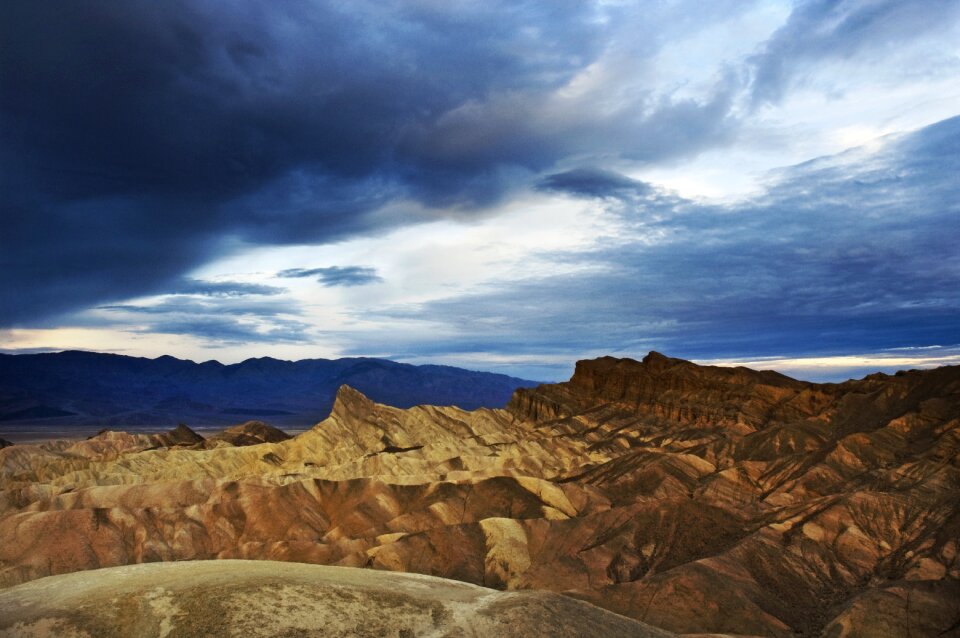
(699, 500)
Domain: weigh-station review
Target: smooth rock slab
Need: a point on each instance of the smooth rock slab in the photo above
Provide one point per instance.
(267, 598)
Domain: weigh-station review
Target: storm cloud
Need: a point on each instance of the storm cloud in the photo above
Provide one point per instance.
(138, 137)
(185, 167)
(594, 182)
(142, 139)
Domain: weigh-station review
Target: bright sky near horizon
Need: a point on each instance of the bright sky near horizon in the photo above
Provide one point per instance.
(507, 186)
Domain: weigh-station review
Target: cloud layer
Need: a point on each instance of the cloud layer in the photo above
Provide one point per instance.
(335, 275)
(845, 254)
(142, 141)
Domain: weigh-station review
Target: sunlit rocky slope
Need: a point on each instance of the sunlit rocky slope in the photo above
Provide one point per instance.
(695, 499)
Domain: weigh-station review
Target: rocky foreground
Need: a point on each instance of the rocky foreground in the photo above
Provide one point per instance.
(266, 598)
(695, 499)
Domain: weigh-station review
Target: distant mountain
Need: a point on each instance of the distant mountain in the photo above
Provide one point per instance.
(87, 388)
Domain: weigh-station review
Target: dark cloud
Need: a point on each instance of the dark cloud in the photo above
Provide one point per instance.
(846, 254)
(819, 30)
(300, 273)
(224, 288)
(225, 331)
(141, 139)
(336, 275)
(220, 313)
(198, 307)
(594, 182)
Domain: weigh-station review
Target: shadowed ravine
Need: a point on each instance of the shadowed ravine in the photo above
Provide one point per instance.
(695, 499)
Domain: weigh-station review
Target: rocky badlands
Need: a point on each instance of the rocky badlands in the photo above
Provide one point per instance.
(685, 499)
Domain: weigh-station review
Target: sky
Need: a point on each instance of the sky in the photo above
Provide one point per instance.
(505, 186)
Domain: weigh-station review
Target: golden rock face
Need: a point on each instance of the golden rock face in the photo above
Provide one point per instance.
(694, 498)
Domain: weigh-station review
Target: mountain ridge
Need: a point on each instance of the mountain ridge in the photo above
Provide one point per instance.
(79, 387)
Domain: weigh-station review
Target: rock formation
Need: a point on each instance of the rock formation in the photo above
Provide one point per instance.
(250, 433)
(696, 499)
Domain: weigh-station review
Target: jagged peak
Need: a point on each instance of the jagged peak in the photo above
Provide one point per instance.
(182, 429)
(250, 433)
(182, 434)
(348, 392)
(348, 400)
(655, 357)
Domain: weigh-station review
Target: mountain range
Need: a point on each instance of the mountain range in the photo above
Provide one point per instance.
(75, 387)
(696, 500)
